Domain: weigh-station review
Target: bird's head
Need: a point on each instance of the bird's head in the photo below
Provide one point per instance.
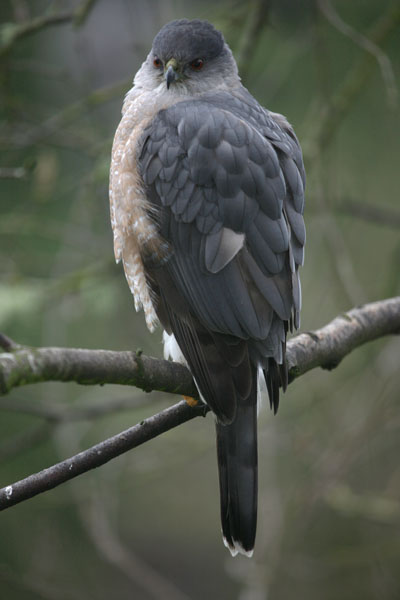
(190, 56)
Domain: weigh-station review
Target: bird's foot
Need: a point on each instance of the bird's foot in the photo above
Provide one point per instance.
(191, 401)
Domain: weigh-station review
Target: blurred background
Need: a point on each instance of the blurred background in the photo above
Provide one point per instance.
(147, 524)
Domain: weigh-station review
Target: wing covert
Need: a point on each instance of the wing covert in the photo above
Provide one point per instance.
(230, 197)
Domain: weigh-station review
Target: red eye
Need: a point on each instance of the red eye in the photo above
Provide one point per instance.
(197, 64)
(157, 63)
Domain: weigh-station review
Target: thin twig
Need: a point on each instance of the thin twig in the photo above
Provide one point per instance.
(69, 114)
(379, 215)
(257, 11)
(7, 344)
(325, 347)
(12, 32)
(324, 183)
(353, 83)
(17, 31)
(366, 44)
(99, 454)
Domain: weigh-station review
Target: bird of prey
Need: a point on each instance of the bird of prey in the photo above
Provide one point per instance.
(207, 197)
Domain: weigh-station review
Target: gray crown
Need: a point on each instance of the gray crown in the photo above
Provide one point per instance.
(187, 40)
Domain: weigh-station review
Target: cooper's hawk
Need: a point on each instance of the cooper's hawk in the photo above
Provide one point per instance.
(207, 196)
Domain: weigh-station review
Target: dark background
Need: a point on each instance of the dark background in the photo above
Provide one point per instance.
(147, 524)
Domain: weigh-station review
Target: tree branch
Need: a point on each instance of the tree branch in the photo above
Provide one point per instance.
(29, 135)
(12, 32)
(379, 215)
(26, 365)
(22, 365)
(332, 115)
(327, 346)
(99, 454)
(258, 11)
(366, 44)
(19, 365)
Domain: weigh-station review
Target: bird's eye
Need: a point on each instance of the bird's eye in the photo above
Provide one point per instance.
(157, 63)
(197, 64)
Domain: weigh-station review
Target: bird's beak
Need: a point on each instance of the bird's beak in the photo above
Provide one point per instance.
(171, 72)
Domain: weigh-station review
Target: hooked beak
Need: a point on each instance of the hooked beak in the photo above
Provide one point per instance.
(171, 73)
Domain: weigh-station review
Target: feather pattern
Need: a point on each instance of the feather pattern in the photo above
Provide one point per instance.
(236, 173)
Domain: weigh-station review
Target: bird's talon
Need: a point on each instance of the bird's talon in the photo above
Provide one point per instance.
(191, 401)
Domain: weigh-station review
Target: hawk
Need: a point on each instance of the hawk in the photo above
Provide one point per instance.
(207, 197)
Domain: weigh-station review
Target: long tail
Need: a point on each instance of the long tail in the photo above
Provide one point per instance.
(237, 466)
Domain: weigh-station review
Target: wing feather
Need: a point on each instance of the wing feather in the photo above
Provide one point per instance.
(229, 181)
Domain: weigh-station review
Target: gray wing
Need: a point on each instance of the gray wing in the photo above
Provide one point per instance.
(231, 197)
(227, 180)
